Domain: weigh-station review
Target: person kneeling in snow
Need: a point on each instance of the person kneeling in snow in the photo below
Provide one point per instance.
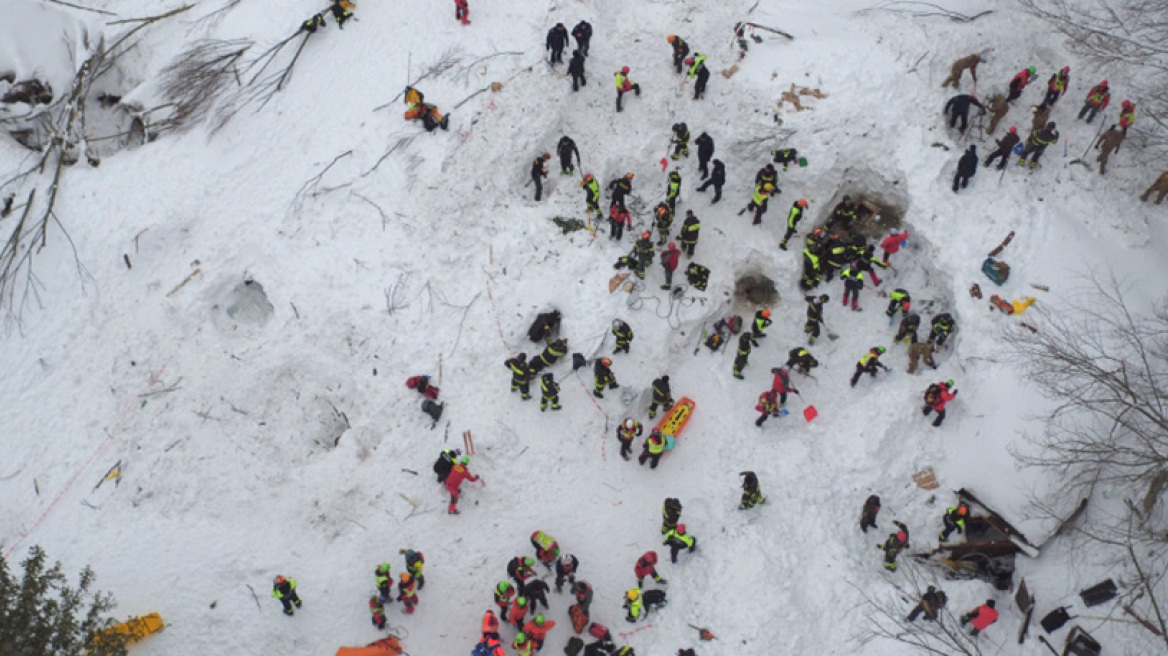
(423, 386)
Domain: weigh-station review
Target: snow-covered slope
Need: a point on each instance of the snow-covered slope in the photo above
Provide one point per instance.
(224, 411)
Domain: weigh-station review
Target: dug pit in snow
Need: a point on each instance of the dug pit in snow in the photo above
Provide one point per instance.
(249, 304)
(755, 289)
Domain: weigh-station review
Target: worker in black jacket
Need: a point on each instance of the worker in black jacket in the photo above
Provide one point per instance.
(958, 108)
(662, 396)
(557, 40)
(520, 375)
(576, 70)
(966, 168)
(565, 149)
(583, 34)
(539, 172)
(717, 178)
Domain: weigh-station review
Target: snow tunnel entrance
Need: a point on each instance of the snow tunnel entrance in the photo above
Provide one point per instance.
(755, 289)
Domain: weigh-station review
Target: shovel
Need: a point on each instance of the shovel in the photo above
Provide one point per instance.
(809, 413)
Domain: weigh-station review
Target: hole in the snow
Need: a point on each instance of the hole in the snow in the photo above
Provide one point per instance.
(755, 289)
(249, 304)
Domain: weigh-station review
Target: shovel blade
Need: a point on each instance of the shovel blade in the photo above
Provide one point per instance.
(810, 413)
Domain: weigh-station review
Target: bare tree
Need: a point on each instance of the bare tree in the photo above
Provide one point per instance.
(197, 79)
(1130, 33)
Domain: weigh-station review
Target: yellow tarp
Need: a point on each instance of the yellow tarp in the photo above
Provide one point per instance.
(136, 628)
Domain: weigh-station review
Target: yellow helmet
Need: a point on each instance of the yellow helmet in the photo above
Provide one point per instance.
(768, 187)
(633, 594)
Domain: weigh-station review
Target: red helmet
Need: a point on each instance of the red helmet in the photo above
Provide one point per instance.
(1103, 83)
(1127, 103)
(625, 70)
(645, 235)
(672, 246)
(1013, 130)
(902, 536)
(689, 61)
(280, 580)
(650, 557)
(681, 529)
(1066, 69)
(587, 176)
(766, 313)
(605, 361)
(802, 202)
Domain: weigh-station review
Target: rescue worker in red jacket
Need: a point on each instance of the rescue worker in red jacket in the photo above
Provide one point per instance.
(490, 628)
(1019, 83)
(547, 549)
(647, 566)
(454, 481)
(981, 617)
(946, 395)
(1097, 99)
(629, 430)
(566, 568)
(537, 630)
(782, 384)
(504, 591)
(518, 612)
(520, 569)
(407, 593)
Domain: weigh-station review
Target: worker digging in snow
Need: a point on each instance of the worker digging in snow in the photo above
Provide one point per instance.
(782, 384)
(936, 397)
(1036, 144)
(1107, 143)
(998, 108)
(967, 63)
(313, 24)
(678, 539)
(1005, 148)
(801, 360)
(907, 332)
(896, 543)
(868, 363)
(868, 514)
(624, 85)
(918, 351)
(680, 140)
(662, 396)
(758, 202)
(670, 514)
(550, 355)
(673, 190)
(646, 565)
(460, 473)
(892, 244)
(340, 10)
(428, 114)
(603, 377)
(899, 300)
(591, 196)
(751, 495)
(445, 463)
(943, 324)
(539, 172)
(931, 604)
(958, 108)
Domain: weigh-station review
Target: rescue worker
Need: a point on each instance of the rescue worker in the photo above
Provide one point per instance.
(908, 328)
(591, 195)
(518, 612)
(1097, 99)
(662, 396)
(698, 276)
(285, 590)
(1159, 187)
(680, 50)
(896, 543)
(454, 481)
(653, 448)
(814, 316)
(853, 284)
(633, 606)
(646, 565)
(1127, 115)
(626, 433)
(699, 73)
(445, 463)
(314, 23)
(782, 384)
(1018, 84)
(539, 172)
(868, 514)
(520, 569)
(945, 395)
(582, 591)
(340, 10)
(785, 156)
(673, 190)
(680, 140)
(662, 220)
(892, 244)
(762, 321)
(624, 85)
(670, 258)
(504, 591)
(557, 40)
(623, 334)
(490, 626)
(583, 34)
(966, 168)
(670, 514)
(981, 617)
(966, 63)
(550, 355)
(801, 359)
(677, 539)
(868, 363)
(843, 215)
(576, 70)
(536, 592)
(618, 189)
(1037, 142)
(920, 351)
(931, 604)
(1005, 148)
(812, 269)
(717, 179)
(565, 149)
(1041, 117)
(768, 405)
(689, 233)
(898, 301)
(740, 360)
(377, 610)
(793, 218)
(566, 568)
(462, 12)
(547, 549)
(523, 645)
(954, 520)
(1056, 86)
(643, 251)
(705, 144)
(958, 108)
(943, 325)
(751, 495)
(550, 391)
(383, 581)
(1107, 143)
(407, 593)
(998, 108)
(520, 375)
(603, 377)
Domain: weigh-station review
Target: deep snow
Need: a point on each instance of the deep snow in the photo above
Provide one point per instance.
(229, 479)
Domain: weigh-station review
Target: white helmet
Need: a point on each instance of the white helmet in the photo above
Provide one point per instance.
(630, 423)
